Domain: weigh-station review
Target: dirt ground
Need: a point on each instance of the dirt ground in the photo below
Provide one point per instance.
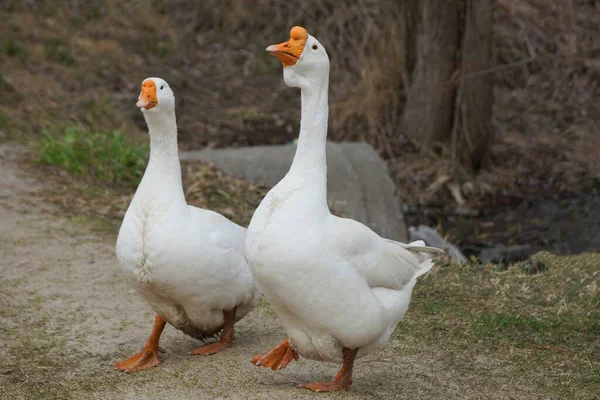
(67, 315)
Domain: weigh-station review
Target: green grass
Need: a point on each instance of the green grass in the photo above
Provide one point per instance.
(58, 51)
(11, 47)
(509, 326)
(530, 315)
(161, 49)
(3, 120)
(106, 157)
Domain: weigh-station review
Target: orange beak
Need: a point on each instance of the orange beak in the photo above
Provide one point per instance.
(148, 98)
(289, 52)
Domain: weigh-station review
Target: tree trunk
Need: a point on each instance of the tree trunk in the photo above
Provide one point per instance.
(453, 40)
(473, 129)
(429, 107)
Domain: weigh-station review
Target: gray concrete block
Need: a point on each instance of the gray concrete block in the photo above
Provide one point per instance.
(358, 181)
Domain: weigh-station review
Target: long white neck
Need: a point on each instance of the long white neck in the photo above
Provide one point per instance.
(310, 161)
(162, 178)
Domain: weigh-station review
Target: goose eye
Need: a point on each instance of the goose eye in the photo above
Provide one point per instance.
(162, 87)
(315, 47)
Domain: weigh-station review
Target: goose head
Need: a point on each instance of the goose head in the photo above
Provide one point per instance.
(156, 96)
(305, 61)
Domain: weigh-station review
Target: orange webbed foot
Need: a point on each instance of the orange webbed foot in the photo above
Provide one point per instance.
(226, 338)
(212, 348)
(147, 358)
(276, 358)
(331, 386)
(342, 380)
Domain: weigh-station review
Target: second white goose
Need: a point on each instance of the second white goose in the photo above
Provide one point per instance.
(338, 287)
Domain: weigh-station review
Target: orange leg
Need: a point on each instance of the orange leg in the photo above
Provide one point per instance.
(342, 380)
(276, 358)
(225, 340)
(148, 357)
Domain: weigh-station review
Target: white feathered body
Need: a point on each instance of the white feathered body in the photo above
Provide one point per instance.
(187, 263)
(333, 282)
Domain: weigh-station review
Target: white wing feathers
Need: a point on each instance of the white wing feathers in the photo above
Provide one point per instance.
(422, 252)
(382, 262)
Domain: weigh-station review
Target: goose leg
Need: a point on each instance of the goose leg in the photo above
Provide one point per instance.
(276, 358)
(148, 357)
(225, 340)
(342, 380)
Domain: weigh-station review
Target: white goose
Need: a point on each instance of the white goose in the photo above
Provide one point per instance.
(186, 262)
(339, 288)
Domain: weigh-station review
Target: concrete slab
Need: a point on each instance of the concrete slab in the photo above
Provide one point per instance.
(359, 184)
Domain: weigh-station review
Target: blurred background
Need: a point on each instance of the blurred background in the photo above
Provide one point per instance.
(486, 112)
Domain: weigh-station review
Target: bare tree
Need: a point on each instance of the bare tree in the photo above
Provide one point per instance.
(449, 100)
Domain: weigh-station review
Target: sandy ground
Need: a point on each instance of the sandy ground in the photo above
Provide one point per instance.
(66, 316)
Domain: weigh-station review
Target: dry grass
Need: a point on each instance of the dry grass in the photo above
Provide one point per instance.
(212, 52)
(540, 317)
(205, 187)
(230, 92)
